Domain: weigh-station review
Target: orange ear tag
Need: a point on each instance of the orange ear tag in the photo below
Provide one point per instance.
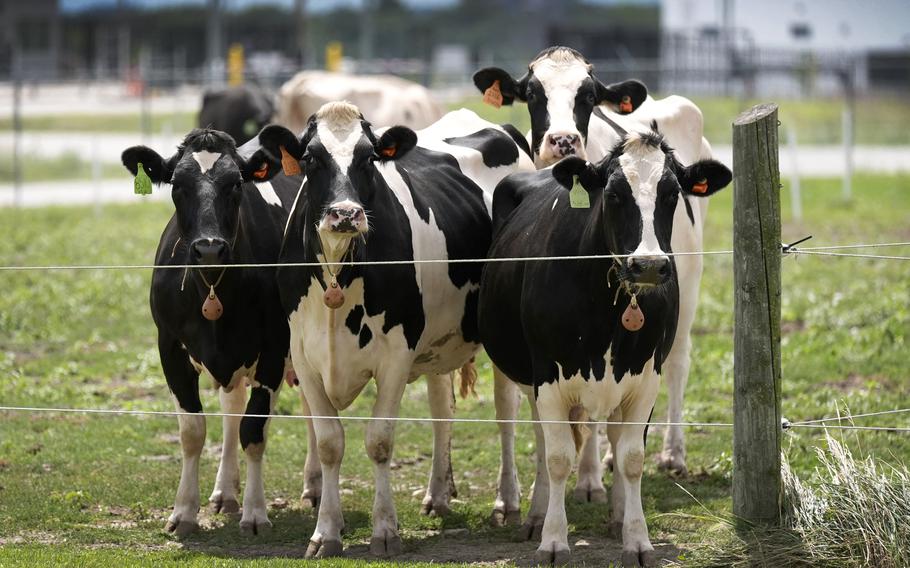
(493, 96)
(291, 166)
(389, 152)
(701, 186)
(625, 106)
(262, 171)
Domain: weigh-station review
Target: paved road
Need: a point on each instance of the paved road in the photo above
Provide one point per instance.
(39, 194)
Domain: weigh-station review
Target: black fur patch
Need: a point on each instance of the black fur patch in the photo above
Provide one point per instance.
(497, 148)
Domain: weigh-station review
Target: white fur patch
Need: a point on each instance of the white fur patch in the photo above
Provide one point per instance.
(205, 159)
(561, 75)
(268, 193)
(643, 166)
(339, 129)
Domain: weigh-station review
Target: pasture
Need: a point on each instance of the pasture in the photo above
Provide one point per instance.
(96, 490)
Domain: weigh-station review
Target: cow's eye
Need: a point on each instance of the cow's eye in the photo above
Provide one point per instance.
(531, 96)
(308, 160)
(590, 98)
(613, 198)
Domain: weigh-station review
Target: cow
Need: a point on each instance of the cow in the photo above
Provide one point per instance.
(392, 195)
(241, 112)
(227, 323)
(590, 338)
(386, 99)
(574, 114)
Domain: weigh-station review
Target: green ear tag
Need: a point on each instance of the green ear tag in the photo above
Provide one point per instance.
(578, 196)
(142, 185)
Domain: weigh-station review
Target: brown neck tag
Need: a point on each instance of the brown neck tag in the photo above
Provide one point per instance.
(211, 307)
(290, 165)
(625, 106)
(334, 296)
(493, 96)
(633, 319)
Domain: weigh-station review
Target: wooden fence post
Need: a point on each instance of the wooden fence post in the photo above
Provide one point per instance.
(756, 336)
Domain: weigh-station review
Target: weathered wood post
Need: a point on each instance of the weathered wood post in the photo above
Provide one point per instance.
(756, 336)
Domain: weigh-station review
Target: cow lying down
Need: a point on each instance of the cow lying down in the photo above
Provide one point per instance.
(225, 322)
(588, 338)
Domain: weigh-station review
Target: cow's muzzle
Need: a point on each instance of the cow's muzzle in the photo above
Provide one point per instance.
(649, 270)
(346, 219)
(210, 251)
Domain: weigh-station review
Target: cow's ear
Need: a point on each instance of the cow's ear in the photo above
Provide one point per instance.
(509, 88)
(273, 150)
(157, 168)
(624, 97)
(704, 178)
(395, 143)
(566, 169)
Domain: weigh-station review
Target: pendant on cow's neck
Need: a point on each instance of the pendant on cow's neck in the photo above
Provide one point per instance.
(211, 307)
(633, 319)
(334, 296)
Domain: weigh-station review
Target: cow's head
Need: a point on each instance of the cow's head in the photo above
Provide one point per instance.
(206, 177)
(339, 151)
(561, 91)
(640, 183)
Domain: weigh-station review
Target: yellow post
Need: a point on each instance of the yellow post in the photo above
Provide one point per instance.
(235, 65)
(333, 53)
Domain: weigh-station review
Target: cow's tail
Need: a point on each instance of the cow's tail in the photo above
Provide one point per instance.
(580, 432)
(467, 378)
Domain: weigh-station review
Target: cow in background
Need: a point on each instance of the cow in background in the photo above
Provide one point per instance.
(241, 112)
(386, 99)
(225, 322)
(574, 114)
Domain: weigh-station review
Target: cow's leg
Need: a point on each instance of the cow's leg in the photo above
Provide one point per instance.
(183, 381)
(540, 494)
(442, 483)
(253, 435)
(590, 485)
(227, 483)
(560, 457)
(326, 539)
(312, 471)
(618, 492)
(630, 458)
(507, 397)
(380, 439)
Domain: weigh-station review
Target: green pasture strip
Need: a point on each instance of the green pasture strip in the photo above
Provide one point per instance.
(878, 121)
(89, 490)
(66, 167)
(175, 121)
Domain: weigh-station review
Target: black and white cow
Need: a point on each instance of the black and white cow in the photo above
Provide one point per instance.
(239, 111)
(557, 327)
(387, 196)
(225, 322)
(567, 102)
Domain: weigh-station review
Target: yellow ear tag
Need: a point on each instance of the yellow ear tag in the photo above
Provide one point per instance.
(578, 195)
(142, 185)
(493, 96)
(290, 165)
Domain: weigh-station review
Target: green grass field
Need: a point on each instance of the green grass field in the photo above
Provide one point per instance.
(96, 490)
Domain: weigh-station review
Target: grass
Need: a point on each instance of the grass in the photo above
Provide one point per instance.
(176, 121)
(68, 166)
(816, 121)
(96, 490)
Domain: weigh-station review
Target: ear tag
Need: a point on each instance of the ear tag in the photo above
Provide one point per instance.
(262, 172)
(290, 165)
(578, 196)
(625, 106)
(142, 185)
(389, 152)
(334, 296)
(493, 96)
(701, 186)
(211, 307)
(632, 318)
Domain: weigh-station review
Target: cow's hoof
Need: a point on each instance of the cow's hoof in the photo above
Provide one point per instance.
(181, 528)
(324, 549)
(385, 546)
(500, 518)
(615, 530)
(554, 555)
(309, 502)
(635, 558)
(224, 505)
(531, 529)
(440, 509)
(255, 527)
(585, 495)
(672, 463)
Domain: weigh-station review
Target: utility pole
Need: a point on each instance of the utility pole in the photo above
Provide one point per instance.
(214, 49)
(300, 20)
(367, 31)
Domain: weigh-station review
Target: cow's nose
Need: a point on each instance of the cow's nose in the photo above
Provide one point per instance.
(209, 251)
(650, 270)
(564, 144)
(348, 218)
